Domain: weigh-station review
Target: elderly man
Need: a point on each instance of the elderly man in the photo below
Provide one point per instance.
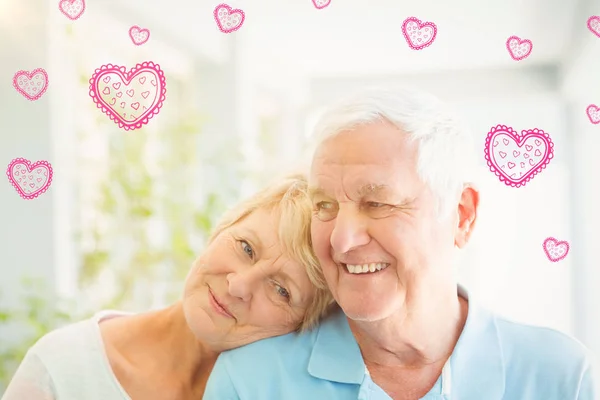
(392, 202)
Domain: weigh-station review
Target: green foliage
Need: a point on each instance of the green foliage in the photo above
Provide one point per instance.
(152, 183)
(39, 313)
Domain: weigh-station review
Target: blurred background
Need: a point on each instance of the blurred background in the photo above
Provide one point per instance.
(127, 212)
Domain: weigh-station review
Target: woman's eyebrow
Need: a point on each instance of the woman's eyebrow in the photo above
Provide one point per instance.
(254, 239)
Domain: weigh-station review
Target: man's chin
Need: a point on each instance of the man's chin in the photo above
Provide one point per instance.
(366, 312)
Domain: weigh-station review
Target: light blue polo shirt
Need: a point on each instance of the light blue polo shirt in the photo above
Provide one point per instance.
(494, 358)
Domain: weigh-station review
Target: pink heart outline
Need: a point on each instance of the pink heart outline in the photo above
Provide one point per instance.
(555, 243)
(30, 167)
(320, 7)
(127, 77)
(421, 25)
(520, 42)
(136, 29)
(71, 17)
(590, 111)
(229, 12)
(591, 28)
(29, 76)
(520, 141)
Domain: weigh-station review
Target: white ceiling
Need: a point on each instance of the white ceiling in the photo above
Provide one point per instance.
(364, 36)
(357, 37)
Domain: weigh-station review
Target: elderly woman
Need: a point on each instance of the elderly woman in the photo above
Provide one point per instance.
(391, 203)
(257, 278)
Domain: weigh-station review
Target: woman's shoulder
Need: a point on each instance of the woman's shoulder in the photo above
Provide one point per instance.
(72, 337)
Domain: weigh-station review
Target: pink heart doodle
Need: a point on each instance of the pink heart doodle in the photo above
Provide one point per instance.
(593, 24)
(30, 180)
(144, 87)
(72, 9)
(138, 35)
(515, 158)
(593, 113)
(555, 250)
(517, 48)
(321, 3)
(32, 84)
(418, 34)
(228, 19)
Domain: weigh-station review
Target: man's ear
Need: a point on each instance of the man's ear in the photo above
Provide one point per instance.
(467, 215)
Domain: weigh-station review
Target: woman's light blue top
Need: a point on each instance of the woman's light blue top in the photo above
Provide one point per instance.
(493, 359)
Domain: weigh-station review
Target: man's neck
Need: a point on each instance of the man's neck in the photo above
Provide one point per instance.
(413, 340)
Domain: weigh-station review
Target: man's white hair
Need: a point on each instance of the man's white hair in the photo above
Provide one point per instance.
(445, 153)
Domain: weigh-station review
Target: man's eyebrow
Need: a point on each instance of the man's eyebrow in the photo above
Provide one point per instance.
(315, 191)
(371, 188)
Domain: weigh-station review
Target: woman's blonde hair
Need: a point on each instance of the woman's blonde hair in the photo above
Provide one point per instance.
(289, 198)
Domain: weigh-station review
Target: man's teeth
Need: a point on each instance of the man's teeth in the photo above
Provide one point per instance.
(364, 268)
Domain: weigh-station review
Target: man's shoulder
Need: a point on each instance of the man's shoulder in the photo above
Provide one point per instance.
(545, 360)
(524, 344)
(267, 351)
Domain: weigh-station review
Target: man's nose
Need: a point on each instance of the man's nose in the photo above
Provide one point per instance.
(350, 230)
(243, 284)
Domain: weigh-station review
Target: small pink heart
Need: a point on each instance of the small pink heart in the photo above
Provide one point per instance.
(43, 173)
(227, 16)
(26, 82)
(519, 49)
(510, 152)
(418, 34)
(321, 3)
(593, 24)
(72, 9)
(593, 113)
(133, 86)
(555, 250)
(138, 35)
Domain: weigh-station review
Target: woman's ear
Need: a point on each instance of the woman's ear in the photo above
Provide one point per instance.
(467, 215)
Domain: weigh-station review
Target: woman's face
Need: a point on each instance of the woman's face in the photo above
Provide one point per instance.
(243, 289)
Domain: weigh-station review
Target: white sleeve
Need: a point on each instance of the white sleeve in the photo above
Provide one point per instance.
(31, 381)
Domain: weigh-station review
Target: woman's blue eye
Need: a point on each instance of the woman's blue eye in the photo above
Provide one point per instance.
(247, 248)
(282, 291)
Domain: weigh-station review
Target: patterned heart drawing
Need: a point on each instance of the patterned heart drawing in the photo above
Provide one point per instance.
(321, 3)
(72, 9)
(32, 84)
(418, 34)
(593, 113)
(519, 49)
(138, 35)
(555, 250)
(593, 24)
(228, 19)
(515, 158)
(29, 179)
(129, 98)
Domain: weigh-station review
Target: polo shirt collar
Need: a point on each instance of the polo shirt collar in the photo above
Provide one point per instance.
(476, 363)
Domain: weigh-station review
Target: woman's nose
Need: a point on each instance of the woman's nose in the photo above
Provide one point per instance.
(242, 284)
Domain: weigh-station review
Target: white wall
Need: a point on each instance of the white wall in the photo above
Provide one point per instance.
(581, 87)
(26, 226)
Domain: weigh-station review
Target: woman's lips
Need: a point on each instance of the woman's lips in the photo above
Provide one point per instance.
(218, 307)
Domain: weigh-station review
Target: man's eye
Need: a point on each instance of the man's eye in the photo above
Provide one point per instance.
(374, 204)
(324, 205)
(247, 248)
